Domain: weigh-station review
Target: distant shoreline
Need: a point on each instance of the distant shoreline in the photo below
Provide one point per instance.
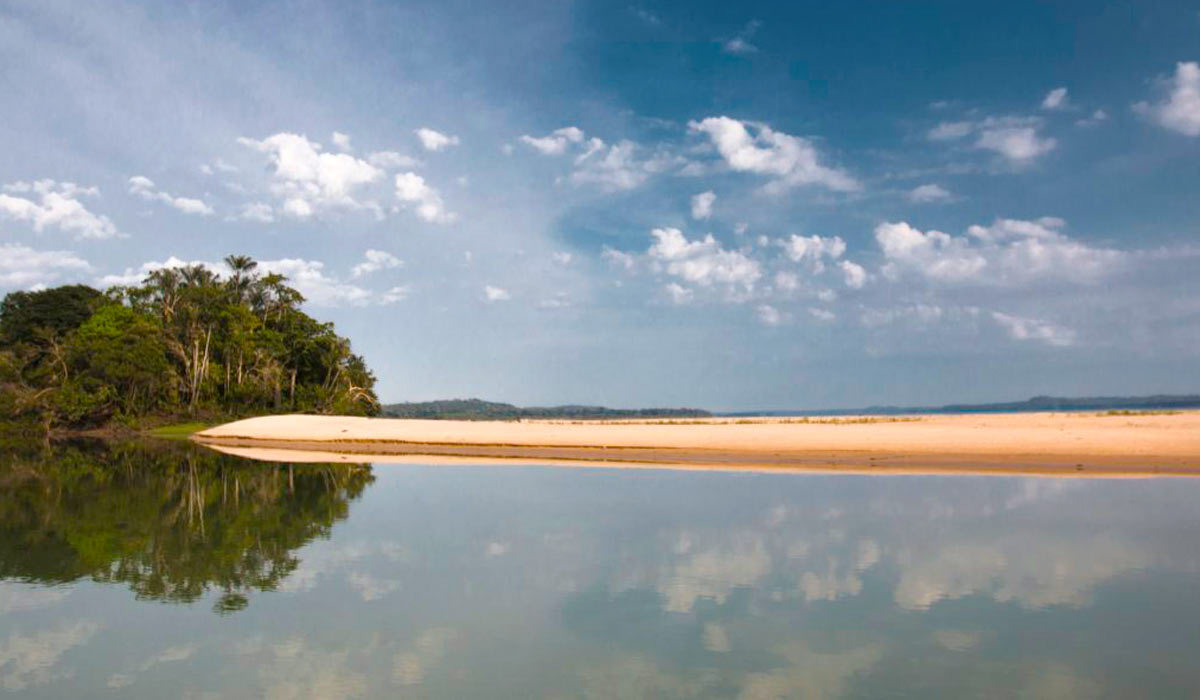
(1021, 443)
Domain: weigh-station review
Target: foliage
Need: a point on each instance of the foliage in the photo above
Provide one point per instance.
(186, 342)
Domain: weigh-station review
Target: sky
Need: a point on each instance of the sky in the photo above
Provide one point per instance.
(729, 206)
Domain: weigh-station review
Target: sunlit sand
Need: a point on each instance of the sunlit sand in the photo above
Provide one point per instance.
(1085, 444)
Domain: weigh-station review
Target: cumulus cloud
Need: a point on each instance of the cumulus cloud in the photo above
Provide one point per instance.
(1055, 99)
(1015, 138)
(768, 315)
(756, 148)
(412, 189)
(392, 160)
(342, 141)
(703, 262)
(740, 45)
(435, 140)
(374, 261)
(257, 211)
(1034, 329)
(814, 250)
(615, 166)
(492, 294)
(1016, 142)
(678, 294)
(618, 258)
(554, 144)
(1010, 251)
(702, 205)
(950, 131)
(144, 187)
(1097, 117)
(853, 274)
(395, 295)
(561, 257)
(55, 205)
(21, 266)
(309, 180)
(930, 193)
(1179, 109)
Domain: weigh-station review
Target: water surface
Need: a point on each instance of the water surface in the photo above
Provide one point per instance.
(163, 570)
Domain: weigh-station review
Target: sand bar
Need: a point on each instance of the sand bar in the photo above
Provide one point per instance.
(1032, 443)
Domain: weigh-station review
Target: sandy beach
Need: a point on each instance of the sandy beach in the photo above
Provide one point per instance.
(1034, 443)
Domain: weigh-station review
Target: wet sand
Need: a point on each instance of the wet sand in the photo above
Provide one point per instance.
(1051, 444)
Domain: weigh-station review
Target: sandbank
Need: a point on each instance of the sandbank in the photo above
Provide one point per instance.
(1051, 444)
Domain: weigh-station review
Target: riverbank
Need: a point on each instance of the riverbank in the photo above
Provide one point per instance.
(1035, 443)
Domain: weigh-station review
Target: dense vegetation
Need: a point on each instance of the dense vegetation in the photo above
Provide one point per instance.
(185, 342)
(166, 519)
(476, 409)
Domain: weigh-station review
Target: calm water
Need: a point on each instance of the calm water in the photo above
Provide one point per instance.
(163, 571)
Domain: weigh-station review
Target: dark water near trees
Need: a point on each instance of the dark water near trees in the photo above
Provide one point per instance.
(162, 570)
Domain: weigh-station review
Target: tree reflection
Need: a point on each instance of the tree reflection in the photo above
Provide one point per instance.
(168, 520)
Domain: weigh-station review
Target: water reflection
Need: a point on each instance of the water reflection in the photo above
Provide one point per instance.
(166, 520)
(503, 582)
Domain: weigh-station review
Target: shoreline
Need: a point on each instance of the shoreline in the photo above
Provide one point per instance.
(1048, 444)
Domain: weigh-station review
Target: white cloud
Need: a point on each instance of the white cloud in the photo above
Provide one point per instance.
(925, 194)
(374, 261)
(1015, 138)
(702, 205)
(740, 45)
(768, 315)
(614, 167)
(257, 211)
(133, 277)
(854, 275)
(618, 258)
(950, 131)
(1020, 144)
(309, 180)
(143, 187)
(1034, 329)
(678, 294)
(491, 294)
(1095, 118)
(821, 314)
(57, 206)
(411, 189)
(703, 262)
(561, 257)
(395, 295)
(1055, 99)
(1179, 110)
(391, 160)
(342, 141)
(28, 660)
(791, 160)
(813, 250)
(556, 143)
(1010, 251)
(21, 266)
(435, 140)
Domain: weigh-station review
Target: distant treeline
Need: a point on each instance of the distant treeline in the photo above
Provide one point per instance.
(476, 409)
(1037, 403)
(186, 341)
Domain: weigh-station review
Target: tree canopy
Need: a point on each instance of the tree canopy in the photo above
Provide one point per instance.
(185, 341)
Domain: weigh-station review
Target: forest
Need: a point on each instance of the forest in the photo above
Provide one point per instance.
(187, 342)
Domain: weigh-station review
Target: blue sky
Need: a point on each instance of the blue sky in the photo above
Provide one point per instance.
(757, 205)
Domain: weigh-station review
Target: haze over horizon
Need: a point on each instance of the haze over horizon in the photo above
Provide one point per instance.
(731, 207)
